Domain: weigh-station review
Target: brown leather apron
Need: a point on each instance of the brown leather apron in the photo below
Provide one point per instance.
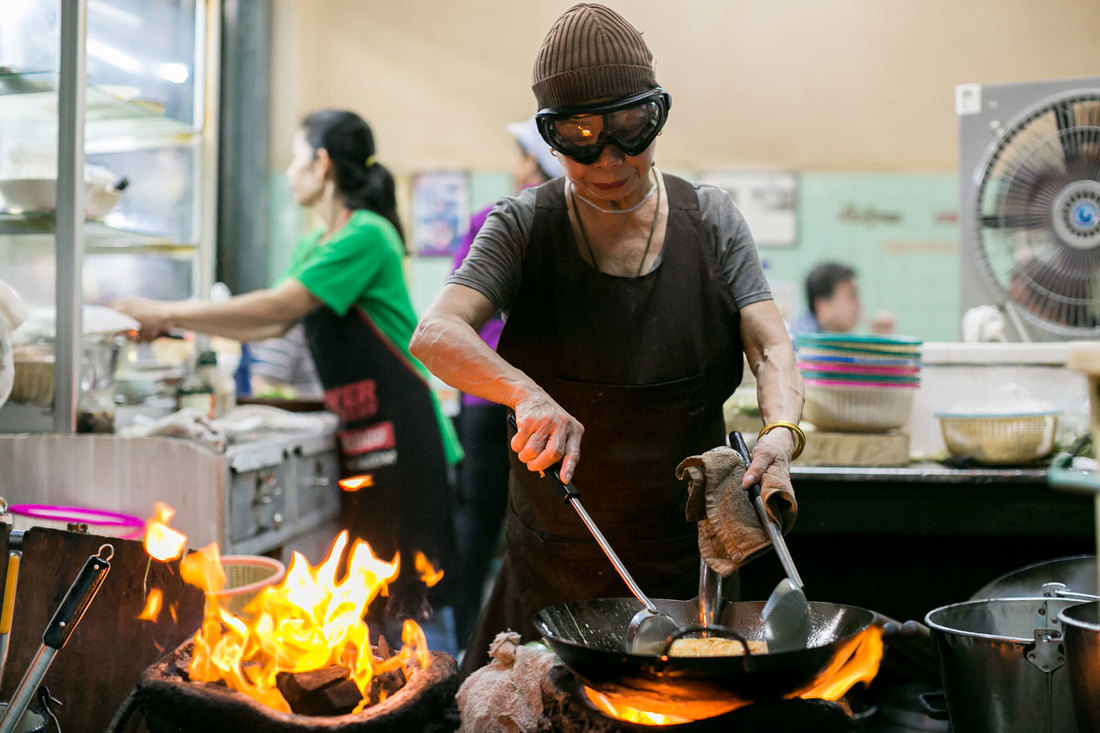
(644, 364)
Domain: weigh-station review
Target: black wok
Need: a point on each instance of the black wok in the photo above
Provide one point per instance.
(588, 638)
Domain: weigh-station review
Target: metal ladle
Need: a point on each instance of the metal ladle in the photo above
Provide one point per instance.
(651, 626)
(786, 614)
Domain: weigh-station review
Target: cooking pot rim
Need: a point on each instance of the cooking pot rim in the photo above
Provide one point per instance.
(954, 631)
(1068, 616)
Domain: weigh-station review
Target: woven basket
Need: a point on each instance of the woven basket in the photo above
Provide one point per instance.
(33, 383)
(857, 409)
(245, 577)
(1000, 440)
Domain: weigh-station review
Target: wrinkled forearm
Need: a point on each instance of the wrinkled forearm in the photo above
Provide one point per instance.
(453, 351)
(779, 390)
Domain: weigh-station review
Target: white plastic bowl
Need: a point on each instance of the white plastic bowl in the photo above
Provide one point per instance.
(857, 409)
(245, 577)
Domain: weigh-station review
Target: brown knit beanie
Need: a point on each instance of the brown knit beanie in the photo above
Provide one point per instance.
(591, 52)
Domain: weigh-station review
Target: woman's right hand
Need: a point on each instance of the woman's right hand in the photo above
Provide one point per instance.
(547, 434)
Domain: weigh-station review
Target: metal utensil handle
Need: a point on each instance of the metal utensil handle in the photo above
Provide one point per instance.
(564, 491)
(569, 492)
(11, 581)
(65, 619)
(615, 561)
(775, 533)
(76, 602)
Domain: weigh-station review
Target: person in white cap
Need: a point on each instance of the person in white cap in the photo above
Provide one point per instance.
(481, 489)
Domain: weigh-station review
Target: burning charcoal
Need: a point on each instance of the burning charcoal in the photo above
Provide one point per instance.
(388, 683)
(326, 691)
(182, 665)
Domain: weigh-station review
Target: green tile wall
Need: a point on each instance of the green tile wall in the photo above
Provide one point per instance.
(898, 231)
(900, 234)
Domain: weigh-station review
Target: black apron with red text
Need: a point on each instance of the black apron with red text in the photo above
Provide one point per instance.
(645, 365)
(388, 430)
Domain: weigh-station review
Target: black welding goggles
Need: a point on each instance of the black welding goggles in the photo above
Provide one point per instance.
(630, 124)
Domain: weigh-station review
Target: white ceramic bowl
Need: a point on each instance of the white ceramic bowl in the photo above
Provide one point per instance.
(857, 409)
(40, 194)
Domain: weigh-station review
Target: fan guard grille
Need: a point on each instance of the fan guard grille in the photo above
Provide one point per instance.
(1037, 223)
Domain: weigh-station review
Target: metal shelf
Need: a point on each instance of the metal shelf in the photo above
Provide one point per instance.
(112, 124)
(99, 237)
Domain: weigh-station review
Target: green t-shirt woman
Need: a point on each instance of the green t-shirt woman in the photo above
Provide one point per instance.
(346, 283)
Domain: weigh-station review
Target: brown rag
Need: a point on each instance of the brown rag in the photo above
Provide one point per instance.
(730, 533)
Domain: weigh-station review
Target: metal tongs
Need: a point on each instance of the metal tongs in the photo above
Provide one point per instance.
(68, 615)
(652, 625)
(786, 613)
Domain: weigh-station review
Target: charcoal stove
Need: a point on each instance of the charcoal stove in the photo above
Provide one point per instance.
(166, 701)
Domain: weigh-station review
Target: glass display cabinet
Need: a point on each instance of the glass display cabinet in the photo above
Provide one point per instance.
(108, 170)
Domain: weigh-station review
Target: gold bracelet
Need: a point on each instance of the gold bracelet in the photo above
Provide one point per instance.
(799, 436)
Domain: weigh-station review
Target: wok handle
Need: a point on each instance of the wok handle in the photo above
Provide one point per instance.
(775, 533)
(562, 490)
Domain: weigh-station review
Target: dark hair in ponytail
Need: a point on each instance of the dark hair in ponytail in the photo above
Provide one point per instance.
(361, 181)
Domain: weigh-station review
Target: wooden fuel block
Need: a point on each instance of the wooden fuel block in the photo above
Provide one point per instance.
(855, 449)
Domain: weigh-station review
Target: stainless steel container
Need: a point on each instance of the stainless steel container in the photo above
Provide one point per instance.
(1077, 573)
(1003, 665)
(1081, 628)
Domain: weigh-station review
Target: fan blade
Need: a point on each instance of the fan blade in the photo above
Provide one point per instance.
(1014, 221)
(1063, 115)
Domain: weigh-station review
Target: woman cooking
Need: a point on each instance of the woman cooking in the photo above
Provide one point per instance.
(630, 296)
(346, 281)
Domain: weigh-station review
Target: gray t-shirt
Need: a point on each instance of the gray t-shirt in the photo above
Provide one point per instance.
(494, 265)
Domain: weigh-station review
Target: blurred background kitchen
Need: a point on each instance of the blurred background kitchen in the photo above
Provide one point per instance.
(948, 152)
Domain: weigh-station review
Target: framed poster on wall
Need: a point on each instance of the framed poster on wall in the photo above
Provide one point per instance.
(767, 199)
(441, 212)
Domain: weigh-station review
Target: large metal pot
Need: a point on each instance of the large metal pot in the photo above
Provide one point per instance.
(589, 638)
(1081, 628)
(1003, 666)
(1077, 573)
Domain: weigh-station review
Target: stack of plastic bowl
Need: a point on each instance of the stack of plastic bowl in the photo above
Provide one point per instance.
(862, 384)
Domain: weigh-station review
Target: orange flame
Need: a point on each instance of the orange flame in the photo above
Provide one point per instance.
(161, 541)
(620, 711)
(428, 574)
(203, 569)
(354, 483)
(855, 661)
(308, 621)
(153, 604)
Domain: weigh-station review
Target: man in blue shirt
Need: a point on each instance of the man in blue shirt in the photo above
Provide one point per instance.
(832, 299)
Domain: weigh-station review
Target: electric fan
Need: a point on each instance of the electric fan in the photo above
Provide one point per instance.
(1029, 209)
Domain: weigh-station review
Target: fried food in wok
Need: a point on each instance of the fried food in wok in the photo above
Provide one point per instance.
(714, 647)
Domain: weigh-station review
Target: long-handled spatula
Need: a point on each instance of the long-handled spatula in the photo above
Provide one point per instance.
(786, 614)
(650, 626)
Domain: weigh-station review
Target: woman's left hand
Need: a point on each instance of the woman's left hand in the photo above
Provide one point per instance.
(774, 448)
(153, 315)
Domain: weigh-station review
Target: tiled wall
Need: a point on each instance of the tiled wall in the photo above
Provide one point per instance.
(898, 231)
